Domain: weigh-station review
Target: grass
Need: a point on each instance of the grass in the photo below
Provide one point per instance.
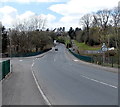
(83, 46)
(67, 41)
(64, 40)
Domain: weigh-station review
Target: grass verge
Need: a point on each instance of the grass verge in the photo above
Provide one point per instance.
(83, 46)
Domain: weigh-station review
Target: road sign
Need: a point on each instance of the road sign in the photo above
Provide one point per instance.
(104, 47)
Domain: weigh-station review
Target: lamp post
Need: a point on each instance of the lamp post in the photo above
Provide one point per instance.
(10, 42)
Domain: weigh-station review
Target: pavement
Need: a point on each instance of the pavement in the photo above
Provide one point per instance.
(19, 88)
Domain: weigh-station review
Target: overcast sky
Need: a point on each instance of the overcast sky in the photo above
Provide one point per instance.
(59, 13)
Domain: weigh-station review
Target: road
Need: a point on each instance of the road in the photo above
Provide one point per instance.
(60, 79)
(68, 82)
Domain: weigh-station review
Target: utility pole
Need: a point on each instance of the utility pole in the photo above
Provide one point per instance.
(10, 43)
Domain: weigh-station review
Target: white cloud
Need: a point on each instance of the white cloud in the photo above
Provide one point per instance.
(25, 15)
(9, 16)
(29, 1)
(67, 22)
(73, 10)
(82, 6)
(7, 9)
(48, 17)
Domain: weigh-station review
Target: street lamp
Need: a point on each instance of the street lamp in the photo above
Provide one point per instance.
(10, 42)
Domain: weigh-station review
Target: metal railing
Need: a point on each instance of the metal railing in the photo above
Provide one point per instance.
(111, 61)
(81, 57)
(4, 68)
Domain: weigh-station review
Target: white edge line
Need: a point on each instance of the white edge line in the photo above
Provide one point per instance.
(99, 82)
(33, 64)
(43, 95)
(40, 90)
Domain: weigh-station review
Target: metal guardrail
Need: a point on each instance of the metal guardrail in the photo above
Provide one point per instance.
(110, 61)
(81, 57)
(4, 68)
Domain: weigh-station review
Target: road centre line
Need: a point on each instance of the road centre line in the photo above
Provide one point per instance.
(99, 82)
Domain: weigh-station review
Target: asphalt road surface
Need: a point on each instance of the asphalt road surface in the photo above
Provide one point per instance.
(62, 79)
(67, 82)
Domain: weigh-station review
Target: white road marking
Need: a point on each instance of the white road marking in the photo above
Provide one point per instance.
(44, 97)
(39, 88)
(20, 60)
(33, 64)
(99, 81)
(75, 60)
(96, 80)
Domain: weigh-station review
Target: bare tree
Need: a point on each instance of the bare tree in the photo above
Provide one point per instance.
(44, 24)
(37, 23)
(86, 22)
(116, 22)
(103, 17)
(116, 16)
(27, 35)
(95, 21)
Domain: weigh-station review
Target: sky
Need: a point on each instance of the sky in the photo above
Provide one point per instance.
(59, 13)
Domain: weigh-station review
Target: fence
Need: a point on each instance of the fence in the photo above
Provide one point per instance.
(4, 68)
(81, 57)
(111, 61)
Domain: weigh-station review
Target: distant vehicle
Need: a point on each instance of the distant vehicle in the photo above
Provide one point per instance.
(56, 49)
(55, 41)
(112, 48)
